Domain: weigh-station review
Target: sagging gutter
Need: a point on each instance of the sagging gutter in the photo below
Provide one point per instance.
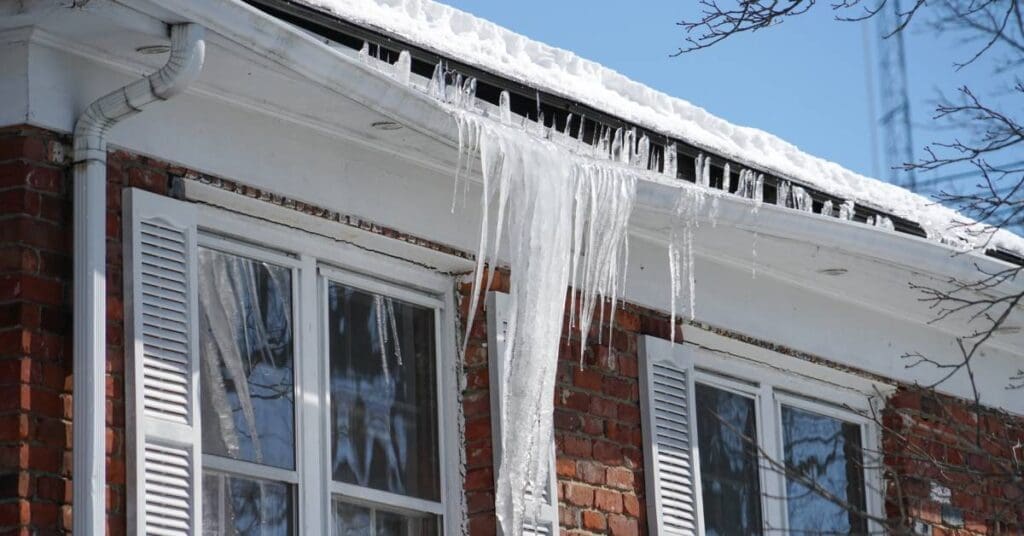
(89, 478)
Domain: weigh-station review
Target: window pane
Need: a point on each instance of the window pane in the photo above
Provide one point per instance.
(383, 393)
(727, 441)
(823, 453)
(246, 342)
(245, 507)
(355, 520)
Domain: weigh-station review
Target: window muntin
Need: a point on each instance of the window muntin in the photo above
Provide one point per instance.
(823, 453)
(247, 390)
(727, 444)
(383, 392)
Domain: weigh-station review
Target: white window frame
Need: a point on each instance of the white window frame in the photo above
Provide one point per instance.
(351, 492)
(307, 254)
(772, 380)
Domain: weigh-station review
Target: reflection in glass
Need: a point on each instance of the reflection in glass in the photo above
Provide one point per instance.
(727, 442)
(245, 507)
(354, 520)
(826, 452)
(383, 395)
(246, 340)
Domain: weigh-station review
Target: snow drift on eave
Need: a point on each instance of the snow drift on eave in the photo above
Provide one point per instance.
(456, 34)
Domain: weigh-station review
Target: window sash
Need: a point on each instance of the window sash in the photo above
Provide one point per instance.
(327, 275)
(259, 254)
(868, 445)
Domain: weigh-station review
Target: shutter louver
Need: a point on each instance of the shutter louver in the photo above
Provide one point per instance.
(546, 522)
(162, 361)
(673, 490)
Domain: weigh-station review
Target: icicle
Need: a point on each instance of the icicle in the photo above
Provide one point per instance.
(364, 53)
(579, 131)
(567, 130)
(403, 67)
(782, 198)
(826, 208)
(437, 84)
(382, 334)
(759, 190)
(881, 221)
(726, 178)
(552, 206)
(394, 330)
(619, 152)
(467, 95)
(643, 152)
(802, 200)
(680, 250)
(671, 163)
(743, 186)
(846, 210)
(698, 168)
(705, 177)
(505, 108)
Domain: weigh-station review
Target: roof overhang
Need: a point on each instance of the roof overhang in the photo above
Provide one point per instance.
(850, 262)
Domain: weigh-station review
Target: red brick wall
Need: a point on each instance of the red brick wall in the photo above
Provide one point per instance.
(35, 333)
(933, 442)
(597, 425)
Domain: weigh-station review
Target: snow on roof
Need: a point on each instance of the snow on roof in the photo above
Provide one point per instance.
(490, 47)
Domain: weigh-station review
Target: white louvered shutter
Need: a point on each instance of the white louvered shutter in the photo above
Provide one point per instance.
(546, 522)
(164, 464)
(670, 453)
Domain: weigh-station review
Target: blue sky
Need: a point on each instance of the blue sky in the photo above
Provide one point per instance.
(804, 80)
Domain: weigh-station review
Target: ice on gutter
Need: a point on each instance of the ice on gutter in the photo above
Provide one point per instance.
(485, 45)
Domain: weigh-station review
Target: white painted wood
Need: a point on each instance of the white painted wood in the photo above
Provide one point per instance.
(162, 360)
(546, 519)
(311, 404)
(671, 463)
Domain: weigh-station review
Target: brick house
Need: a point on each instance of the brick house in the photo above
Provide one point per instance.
(234, 298)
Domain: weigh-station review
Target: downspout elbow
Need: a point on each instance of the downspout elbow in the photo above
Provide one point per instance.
(187, 54)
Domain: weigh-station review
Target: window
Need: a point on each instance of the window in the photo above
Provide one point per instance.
(739, 447)
(247, 383)
(383, 413)
(727, 443)
(276, 393)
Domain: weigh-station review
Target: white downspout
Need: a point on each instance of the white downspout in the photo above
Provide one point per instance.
(89, 478)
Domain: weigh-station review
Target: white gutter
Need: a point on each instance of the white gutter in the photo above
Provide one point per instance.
(301, 53)
(90, 264)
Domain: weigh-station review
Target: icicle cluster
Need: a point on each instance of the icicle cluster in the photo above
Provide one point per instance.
(881, 221)
(802, 200)
(846, 210)
(681, 251)
(565, 222)
(750, 186)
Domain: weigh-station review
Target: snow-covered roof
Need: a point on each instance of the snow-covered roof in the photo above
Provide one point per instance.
(459, 35)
